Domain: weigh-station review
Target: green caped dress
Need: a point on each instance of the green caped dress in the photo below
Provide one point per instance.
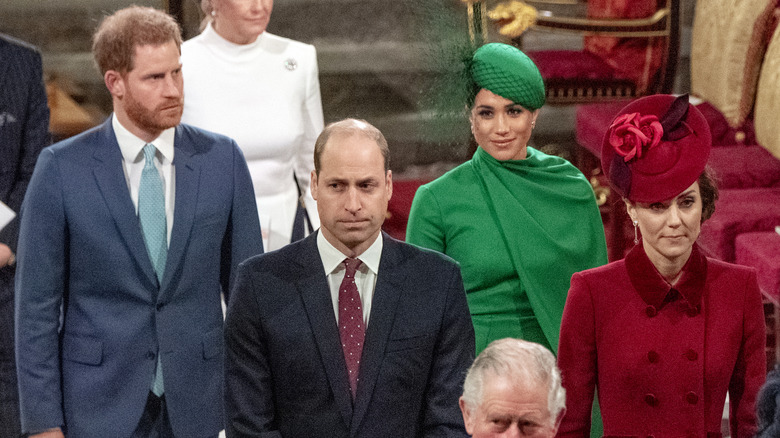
(519, 229)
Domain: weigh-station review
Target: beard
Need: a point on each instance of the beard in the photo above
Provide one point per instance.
(164, 116)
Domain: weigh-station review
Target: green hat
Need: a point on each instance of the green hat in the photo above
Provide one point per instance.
(508, 72)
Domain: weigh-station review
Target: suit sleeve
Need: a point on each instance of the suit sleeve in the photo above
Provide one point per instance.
(249, 406)
(426, 224)
(40, 286)
(243, 238)
(35, 136)
(453, 356)
(577, 359)
(313, 124)
(750, 370)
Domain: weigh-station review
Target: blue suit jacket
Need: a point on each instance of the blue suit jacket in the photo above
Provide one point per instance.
(81, 247)
(285, 370)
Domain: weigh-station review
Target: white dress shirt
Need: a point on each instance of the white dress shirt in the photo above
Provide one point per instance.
(365, 277)
(133, 164)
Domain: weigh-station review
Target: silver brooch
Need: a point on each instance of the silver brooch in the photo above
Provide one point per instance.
(290, 64)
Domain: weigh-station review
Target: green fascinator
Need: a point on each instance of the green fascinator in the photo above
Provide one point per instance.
(509, 73)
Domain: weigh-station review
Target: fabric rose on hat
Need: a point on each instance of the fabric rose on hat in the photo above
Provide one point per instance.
(632, 134)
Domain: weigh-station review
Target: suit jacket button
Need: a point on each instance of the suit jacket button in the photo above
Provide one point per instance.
(150, 355)
(691, 355)
(653, 356)
(651, 400)
(650, 311)
(691, 398)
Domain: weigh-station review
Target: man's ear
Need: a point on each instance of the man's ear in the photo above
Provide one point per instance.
(313, 184)
(389, 184)
(115, 83)
(559, 419)
(468, 420)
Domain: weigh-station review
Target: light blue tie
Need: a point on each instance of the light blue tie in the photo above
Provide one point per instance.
(151, 212)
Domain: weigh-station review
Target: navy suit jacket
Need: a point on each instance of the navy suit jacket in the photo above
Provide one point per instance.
(81, 247)
(285, 369)
(24, 124)
(24, 131)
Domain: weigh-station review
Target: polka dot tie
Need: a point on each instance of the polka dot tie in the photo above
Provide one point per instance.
(151, 214)
(351, 327)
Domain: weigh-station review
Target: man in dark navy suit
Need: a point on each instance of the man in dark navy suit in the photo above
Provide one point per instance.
(349, 332)
(24, 131)
(129, 232)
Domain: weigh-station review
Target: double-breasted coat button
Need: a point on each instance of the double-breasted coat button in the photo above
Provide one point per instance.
(691, 355)
(691, 398)
(651, 400)
(692, 311)
(650, 311)
(150, 355)
(653, 356)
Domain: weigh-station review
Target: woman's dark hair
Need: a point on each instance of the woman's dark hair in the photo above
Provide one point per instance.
(709, 193)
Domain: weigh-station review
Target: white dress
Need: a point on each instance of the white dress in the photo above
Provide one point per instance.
(266, 96)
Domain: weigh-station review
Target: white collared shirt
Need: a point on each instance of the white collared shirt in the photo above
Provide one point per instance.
(365, 277)
(133, 164)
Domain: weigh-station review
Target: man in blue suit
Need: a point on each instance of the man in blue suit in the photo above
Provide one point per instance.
(129, 232)
(24, 131)
(348, 333)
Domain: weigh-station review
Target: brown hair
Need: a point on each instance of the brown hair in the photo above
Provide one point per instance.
(350, 127)
(115, 40)
(709, 193)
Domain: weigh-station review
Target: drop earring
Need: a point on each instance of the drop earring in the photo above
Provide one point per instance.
(636, 233)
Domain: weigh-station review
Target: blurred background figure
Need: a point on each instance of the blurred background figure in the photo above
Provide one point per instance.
(263, 91)
(767, 406)
(24, 131)
(665, 333)
(513, 389)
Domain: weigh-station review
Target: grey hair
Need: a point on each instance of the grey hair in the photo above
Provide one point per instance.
(516, 360)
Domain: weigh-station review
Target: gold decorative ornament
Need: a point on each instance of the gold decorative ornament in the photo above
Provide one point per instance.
(513, 18)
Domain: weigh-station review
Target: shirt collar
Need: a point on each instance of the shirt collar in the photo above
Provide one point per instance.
(654, 289)
(332, 258)
(131, 146)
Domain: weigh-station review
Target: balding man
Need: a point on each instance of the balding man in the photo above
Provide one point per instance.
(513, 389)
(348, 333)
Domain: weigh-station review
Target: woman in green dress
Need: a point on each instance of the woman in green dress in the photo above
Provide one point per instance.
(519, 222)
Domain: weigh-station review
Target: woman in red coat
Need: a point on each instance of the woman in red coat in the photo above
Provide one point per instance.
(665, 333)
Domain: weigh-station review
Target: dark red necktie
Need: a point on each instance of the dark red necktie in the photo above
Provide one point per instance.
(351, 327)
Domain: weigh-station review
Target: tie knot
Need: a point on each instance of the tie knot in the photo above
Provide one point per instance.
(351, 265)
(149, 151)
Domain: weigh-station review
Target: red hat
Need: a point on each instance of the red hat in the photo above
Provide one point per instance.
(656, 147)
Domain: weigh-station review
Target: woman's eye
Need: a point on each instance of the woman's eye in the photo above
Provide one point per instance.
(485, 113)
(688, 202)
(515, 111)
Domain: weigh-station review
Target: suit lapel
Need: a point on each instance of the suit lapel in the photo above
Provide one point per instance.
(315, 294)
(383, 310)
(187, 180)
(113, 186)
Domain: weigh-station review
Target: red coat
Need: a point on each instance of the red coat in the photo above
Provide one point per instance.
(663, 358)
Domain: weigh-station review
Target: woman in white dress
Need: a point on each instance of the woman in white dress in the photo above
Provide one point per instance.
(263, 91)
